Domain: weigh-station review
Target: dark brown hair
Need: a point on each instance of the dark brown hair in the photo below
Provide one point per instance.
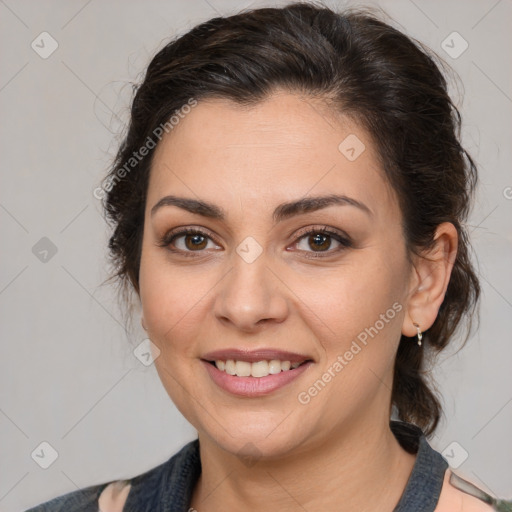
(386, 81)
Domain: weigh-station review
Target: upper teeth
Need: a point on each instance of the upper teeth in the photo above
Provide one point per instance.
(259, 369)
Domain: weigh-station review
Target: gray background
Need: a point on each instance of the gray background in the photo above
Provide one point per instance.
(68, 375)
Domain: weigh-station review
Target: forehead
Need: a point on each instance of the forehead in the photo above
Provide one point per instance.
(284, 147)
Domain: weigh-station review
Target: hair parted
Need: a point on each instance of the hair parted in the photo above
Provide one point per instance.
(362, 67)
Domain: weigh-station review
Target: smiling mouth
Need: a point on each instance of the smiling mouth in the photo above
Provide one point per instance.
(256, 369)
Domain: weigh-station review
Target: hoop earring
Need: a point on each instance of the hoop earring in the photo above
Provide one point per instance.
(420, 335)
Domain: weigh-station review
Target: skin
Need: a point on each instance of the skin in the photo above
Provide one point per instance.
(324, 454)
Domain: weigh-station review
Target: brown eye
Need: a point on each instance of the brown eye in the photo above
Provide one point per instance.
(187, 241)
(320, 240)
(194, 242)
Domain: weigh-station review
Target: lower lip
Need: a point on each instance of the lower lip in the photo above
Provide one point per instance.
(254, 386)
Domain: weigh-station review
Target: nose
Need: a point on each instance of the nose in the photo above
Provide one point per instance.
(251, 295)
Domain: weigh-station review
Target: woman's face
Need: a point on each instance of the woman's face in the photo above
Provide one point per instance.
(254, 281)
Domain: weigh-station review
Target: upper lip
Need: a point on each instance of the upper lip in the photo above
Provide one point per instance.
(253, 356)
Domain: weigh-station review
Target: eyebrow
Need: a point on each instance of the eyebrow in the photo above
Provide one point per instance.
(282, 212)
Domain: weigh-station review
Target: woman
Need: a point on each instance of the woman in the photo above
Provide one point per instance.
(288, 205)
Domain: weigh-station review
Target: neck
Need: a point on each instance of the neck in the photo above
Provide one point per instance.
(361, 468)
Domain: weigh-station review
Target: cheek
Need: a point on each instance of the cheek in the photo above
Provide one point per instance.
(358, 316)
(352, 297)
(171, 299)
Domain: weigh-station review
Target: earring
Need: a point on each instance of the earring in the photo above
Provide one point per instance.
(420, 336)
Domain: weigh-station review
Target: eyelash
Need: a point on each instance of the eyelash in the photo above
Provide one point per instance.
(344, 240)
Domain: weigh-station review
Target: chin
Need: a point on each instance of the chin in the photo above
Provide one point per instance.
(252, 450)
(268, 439)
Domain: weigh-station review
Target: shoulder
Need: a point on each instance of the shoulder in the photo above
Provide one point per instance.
(83, 500)
(455, 497)
(111, 496)
(108, 497)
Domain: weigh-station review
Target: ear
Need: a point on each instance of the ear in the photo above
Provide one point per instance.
(429, 280)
